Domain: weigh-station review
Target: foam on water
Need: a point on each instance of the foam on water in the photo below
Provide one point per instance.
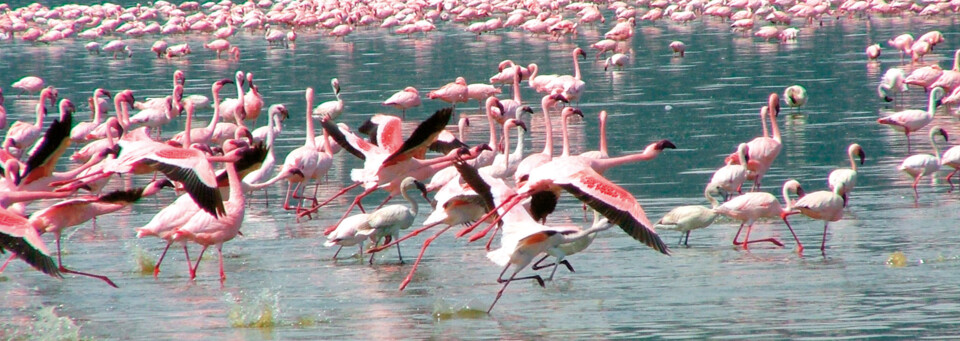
(258, 311)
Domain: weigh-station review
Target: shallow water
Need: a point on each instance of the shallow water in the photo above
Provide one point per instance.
(282, 284)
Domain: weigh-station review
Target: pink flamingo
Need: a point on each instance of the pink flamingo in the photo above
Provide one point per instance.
(252, 101)
(331, 109)
(506, 75)
(845, 179)
(206, 229)
(912, 120)
(81, 130)
(730, 178)
(623, 30)
(571, 86)
(452, 93)
(157, 117)
(159, 47)
(78, 211)
(19, 236)
(203, 135)
(924, 76)
(234, 107)
(924, 164)
(218, 45)
(21, 135)
(603, 46)
(404, 99)
(949, 80)
(480, 92)
(765, 149)
(903, 43)
(28, 84)
(533, 161)
(750, 207)
(678, 48)
(820, 205)
(873, 51)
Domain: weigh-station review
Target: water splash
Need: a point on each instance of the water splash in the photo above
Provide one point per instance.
(143, 262)
(261, 311)
(444, 310)
(47, 326)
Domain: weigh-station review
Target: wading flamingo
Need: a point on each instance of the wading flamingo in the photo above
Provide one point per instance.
(750, 207)
(913, 120)
(924, 164)
(845, 179)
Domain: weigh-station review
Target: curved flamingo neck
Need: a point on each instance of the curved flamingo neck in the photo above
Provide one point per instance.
(97, 113)
(763, 122)
(187, 139)
(326, 143)
(278, 123)
(534, 69)
(270, 135)
(548, 141)
(40, 114)
(236, 188)
(603, 134)
(493, 127)
(516, 84)
(932, 101)
(413, 203)
(566, 138)
(853, 162)
(240, 109)
(786, 198)
(933, 143)
(713, 201)
(506, 145)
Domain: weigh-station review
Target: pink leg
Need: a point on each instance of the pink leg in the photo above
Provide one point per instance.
(408, 236)
(494, 234)
(4, 266)
(423, 249)
(193, 269)
(341, 192)
(223, 276)
(799, 245)
(950, 176)
(484, 218)
(65, 270)
(823, 244)
(156, 268)
(916, 195)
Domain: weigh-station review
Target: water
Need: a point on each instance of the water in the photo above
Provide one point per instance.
(282, 284)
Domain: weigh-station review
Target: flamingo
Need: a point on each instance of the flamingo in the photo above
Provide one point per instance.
(234, 107)
(502, 167)
(571, 86)
(506, 75)
(81, 130)
(347, 233)
(924, 76)
(20, 237)
(820, 205)
(749, 207)
(74, 212)
(21, 135)
(602, 153)
(535, 160)
(511, 105)
(206, 229)
(203, 135)
(3, 112)
(28, 84)
(480, 92)
(912, 120)
(691, 217)
(764, 149)
(252, 101)
(331, 109)
(157, 117)
(404, 99)
(617, 59)
(949, 80)
(845, 179)
(924, 164)
(218, 45)
(386, 222)
(873, 51)
(277, 113)
(903, 43)
(301, 163)
(730, 178)
(452, 93)
(795, 96)
(678, 48)
(891, 84)
(48, 149)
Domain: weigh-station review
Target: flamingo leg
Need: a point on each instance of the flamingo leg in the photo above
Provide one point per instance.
(338, 252)
(371, 255)
(799, 245)
(223, 276)
(4, 266)
(398, 253)
(408, 236)
(385, 201)
(916, 195)
(823, 244)
(487, 216)
(907, 132)
(948, 179)
(341, 192)
(193, 269)
(65, 270)
(687, 239)
(423, 249)
(511, 279)
(156, 268)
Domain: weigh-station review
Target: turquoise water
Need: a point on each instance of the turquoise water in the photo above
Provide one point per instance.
(282, 284)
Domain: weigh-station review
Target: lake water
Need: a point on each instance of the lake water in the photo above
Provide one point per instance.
(282, 283)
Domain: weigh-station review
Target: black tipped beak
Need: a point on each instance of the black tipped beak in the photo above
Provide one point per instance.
(422, 188)
(664, 144)
(801, 192)
(502, 110)
(484, 146)
(527, 109)
(578, 112)
(944, 133)
(862, 155)
(888, 99)
(522, 125)
(939, 103)
(559, 97)
(109, 95)
(225, 81)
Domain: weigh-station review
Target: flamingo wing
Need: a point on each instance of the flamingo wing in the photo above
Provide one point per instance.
(351, 143)
(446, 142)
(18, 236)
(55, 141)
(424, 135)
(614, 203)
(195, 175)
(471, 176)
(250, 160)
(385, 131)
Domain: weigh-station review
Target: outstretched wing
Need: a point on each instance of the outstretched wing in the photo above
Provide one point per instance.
(421, 138)
(18, 236)
(203, 191)
(54, 143)
(614, 203)
(353, 144)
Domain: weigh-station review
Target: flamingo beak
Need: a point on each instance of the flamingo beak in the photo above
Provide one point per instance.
(801, 192)
(527, 109)
(861, 154)
(578, 112)
(423, 190)
(107, 93)
(166, 183)
(664, 144)
(521, 125)
(944, 133)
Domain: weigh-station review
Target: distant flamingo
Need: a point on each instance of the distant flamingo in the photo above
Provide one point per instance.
(331, 109)
(81, 130)
(924, 164)
(795, 96)
(892, 84)
(234, 107)
(28, 84)
(750, 207)
(218, 45)
(617, 59)
(949, 80)
(404, 99)
(873, 51)
(452, 93)
(678, 48)
(820, 205)
(903, 43)
(845, 179)
(912, 120)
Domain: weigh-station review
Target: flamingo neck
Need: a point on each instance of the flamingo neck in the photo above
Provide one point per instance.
(713, 201)
(742, 156)
(493, 127)
(413, 203)
(773, 125)
(277, 123)
(39, 122)
(763, 123)
(310, 133)
(519, 149)
(187, 139)
(601, 165)
(236, 188)
(534, 69)
(97, 115)
(238, 115)
(326, 143)
(576, 66)
(563, 133)
(786, 199)
(932, 101)
(936, 150)
(853, 162)
(506, 146)
(270, 134)
(603, 136)
(516, 87)
(548, 141)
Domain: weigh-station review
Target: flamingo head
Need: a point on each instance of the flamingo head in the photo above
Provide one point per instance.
(66, 108)
(335, 84)
(515, 123)
(556, 96)
(50, 93)
(126, 96)
(569, 111)
(239, 78)
(663, 144)
(179, 77)
(504, 64)
(937, 130)
(411, 89)
(524, 109)
(250, 79)
(98, 92)
(241, 133)
(579, 52)
(461, 81)
(855, 149)
(279, 109)
(773, 103)
(219, 85)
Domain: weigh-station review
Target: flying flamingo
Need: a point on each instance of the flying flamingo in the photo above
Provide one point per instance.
(21, 238)
(209, 230)
(403, 100)
(820, 205)
(912, 120)
(691, 217)
(845, 179)
(924, 164)
(78, 211)
(331, 109)
(749, 207)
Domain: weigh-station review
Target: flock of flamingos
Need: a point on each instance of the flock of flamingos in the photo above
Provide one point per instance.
(507, 192)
